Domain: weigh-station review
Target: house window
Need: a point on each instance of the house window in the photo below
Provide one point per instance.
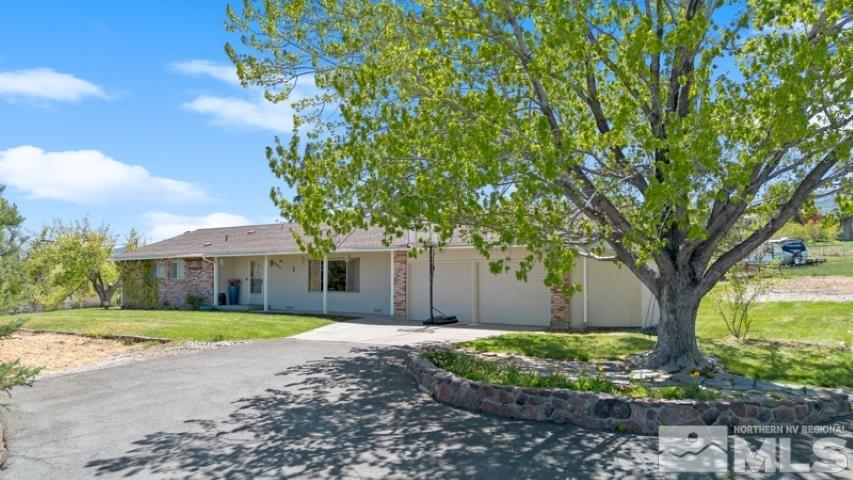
(172, 270)
(343, 275)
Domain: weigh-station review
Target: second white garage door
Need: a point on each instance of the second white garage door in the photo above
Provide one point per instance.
(470, 291)
(505, 299)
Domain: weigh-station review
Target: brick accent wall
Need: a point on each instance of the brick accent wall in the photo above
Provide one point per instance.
(561, 311)
(198, 280)
(400, 290)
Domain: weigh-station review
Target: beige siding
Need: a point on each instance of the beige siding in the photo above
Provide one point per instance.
(466, 287)
(615, 297)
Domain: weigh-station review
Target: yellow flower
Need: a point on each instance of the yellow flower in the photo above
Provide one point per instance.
(600, 368)
(695, 373)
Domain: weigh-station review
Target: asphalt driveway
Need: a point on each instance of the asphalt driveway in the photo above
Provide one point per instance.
(287, 408)
(284, 408)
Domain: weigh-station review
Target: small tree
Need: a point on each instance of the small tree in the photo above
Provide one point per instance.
(74, 260)
(11, 288)
(734, 298)
(12, 274)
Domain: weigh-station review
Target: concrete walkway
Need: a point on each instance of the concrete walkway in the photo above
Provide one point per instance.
(384, 330)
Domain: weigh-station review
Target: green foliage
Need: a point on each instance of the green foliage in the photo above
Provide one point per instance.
(13, 285)
(452, 118)
(844, 205)
(140, 289)
(10, 328)
(811, 231)
(13, 374)
(73, 260)
(194, 301)
(508, 373)
(734, 298)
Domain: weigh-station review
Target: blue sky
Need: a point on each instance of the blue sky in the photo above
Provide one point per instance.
(128, 112)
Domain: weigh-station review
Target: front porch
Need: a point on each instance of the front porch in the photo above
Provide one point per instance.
(341, 282)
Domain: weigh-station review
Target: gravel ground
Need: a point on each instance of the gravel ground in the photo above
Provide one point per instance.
(829, 288)
(62, 353)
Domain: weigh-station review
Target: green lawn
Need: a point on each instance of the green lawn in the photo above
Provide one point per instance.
(171, 324)
(833, 266)
(795, 342)
(817, 322)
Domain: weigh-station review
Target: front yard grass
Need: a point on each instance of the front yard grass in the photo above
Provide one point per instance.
(805, 343)
(170, 324)
(842, 265)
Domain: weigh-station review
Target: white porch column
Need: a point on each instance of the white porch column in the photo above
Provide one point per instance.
(391, 305)
(215, 281)
(266, 288)
(325, 282)
(585, 291)
(475, 292)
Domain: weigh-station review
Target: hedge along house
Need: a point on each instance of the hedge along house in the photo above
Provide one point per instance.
(365, 276)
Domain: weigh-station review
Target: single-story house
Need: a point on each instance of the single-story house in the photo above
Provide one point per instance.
(364, 275)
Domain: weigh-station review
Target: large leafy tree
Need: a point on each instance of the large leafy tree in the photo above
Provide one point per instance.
(641, 132)
(74, 259)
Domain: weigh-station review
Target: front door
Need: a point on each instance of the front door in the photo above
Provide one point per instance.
(256, 282)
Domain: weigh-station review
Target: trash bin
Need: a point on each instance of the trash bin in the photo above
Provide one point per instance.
(234, 293)
(221, 300)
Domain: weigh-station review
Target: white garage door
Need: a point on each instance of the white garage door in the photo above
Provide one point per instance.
(452, 289)
(501, 298)
(505, 299)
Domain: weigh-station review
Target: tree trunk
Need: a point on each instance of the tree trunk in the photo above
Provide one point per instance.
(676, 348)
(105, 292)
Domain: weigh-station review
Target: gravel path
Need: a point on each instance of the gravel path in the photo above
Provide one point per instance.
(833, 288)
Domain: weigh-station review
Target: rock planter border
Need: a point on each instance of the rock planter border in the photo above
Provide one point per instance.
(603, 411)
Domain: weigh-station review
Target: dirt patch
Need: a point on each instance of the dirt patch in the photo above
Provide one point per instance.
(59, 353)
(829, 288)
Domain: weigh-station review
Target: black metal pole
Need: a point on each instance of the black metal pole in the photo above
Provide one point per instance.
(431, 272)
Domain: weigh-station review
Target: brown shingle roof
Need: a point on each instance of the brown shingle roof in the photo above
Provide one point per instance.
(271, 239)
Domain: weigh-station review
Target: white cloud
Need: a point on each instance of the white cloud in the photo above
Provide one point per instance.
(249, 110)
(45, 84)
(220, 71)
(163, 225)
(88, 177)
(235, 112)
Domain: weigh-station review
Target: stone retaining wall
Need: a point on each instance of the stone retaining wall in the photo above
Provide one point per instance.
(604, 411)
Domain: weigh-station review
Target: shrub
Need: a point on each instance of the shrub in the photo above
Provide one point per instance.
(194, 301)
(734, 298)
(12, 373)
(812, 231)
(508, 373)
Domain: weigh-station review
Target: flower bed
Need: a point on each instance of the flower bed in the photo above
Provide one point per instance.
(606, 411)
